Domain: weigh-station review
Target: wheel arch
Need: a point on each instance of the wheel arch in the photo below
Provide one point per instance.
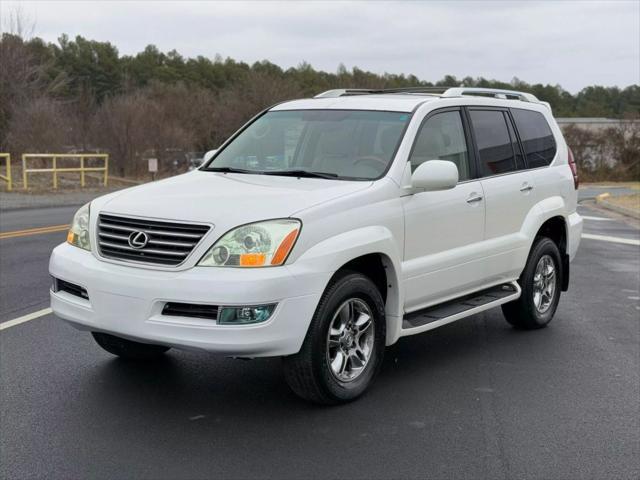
(379, 268)
(556, 229)
(371, 251)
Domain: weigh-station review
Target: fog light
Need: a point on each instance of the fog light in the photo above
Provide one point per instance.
(245, 315)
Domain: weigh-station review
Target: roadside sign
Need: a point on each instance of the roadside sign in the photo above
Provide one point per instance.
(153, 165)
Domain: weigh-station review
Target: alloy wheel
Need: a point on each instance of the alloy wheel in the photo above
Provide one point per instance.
(544, 283)
(350, 340)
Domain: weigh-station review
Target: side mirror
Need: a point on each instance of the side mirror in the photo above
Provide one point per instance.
(435, 175)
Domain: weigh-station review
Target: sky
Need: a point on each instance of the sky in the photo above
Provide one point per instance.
(571, 43)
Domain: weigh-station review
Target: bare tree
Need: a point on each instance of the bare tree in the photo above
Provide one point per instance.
(241, 102)
(80, 115)
(39, 126)
(22, 76)
(610, 154)
(119, 126)
(624, 146)
(163, 121)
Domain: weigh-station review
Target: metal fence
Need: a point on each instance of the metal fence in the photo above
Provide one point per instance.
(55, 170)
(7, 177)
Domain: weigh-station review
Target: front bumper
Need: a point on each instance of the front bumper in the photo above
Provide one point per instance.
(128, 301)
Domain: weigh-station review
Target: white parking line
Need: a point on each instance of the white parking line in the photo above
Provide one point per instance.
(606, 238)
(25, 318)
(597, 219)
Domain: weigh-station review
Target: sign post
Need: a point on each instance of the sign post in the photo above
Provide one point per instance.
(153, 167)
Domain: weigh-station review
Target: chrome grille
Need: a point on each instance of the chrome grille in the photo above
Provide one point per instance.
(168, 243)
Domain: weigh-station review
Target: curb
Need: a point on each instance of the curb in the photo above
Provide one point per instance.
(602, 201)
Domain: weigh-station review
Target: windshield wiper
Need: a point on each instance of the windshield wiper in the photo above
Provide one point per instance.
(302, 173)
(231, 170)
(284, 173)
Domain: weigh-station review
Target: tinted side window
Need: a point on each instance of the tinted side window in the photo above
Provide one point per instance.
(537, 139)
(442, 138)
(494, 144)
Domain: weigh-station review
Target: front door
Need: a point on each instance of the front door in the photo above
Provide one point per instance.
(442, 229)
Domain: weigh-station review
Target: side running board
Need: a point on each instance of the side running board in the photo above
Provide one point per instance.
(447, 312)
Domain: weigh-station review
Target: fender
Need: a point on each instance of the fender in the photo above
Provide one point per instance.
(541, 212)
(518, 245)
(551, 207)
(331, 254)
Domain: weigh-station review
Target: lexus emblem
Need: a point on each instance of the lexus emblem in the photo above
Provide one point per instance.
(138, 239)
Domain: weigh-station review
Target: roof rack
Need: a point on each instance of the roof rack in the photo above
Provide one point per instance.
(442, 92)
(347, 92)
(491, 92)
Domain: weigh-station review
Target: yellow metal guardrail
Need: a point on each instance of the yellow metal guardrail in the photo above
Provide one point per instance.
(7, 177)
(55, 169)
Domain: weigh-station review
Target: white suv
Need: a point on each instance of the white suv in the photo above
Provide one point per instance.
(327, 228)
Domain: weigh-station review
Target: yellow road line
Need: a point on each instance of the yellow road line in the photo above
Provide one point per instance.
(34, 231)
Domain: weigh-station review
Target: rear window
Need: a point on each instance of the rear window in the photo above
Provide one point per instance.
(494, 143)
(537, 139)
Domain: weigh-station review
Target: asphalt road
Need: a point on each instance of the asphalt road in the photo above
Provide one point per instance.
(474, 399)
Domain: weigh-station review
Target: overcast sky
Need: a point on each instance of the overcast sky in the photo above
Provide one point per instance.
(573, 43)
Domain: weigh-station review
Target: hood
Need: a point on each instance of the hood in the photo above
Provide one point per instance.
(227, 199)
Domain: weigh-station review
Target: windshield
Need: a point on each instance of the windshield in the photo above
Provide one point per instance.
(343, 144)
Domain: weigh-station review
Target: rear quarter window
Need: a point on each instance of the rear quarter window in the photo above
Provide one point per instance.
(536, 137)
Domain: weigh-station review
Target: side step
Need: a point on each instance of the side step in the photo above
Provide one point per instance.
(458, 308)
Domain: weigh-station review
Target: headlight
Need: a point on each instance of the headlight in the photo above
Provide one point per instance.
(261, 244)
(79, 232)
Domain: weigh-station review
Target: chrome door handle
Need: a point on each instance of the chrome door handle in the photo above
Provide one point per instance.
(526, 188)
(474, 199)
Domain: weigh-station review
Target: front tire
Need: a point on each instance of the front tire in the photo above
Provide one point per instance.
(541, 282)
(128, 349)
(344, 347)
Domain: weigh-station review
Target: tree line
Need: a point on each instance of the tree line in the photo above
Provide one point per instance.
(80, 94)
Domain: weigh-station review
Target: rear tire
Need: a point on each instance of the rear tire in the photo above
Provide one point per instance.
(541, 282)
(344, 347)
(128, 349)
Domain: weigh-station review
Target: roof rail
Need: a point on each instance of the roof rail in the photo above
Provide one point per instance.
(338, 93)
(493, 92)
(443, 92)
(496, 93)
(345, 92)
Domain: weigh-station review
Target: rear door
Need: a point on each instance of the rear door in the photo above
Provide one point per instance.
(539, 146)
(508, 191)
